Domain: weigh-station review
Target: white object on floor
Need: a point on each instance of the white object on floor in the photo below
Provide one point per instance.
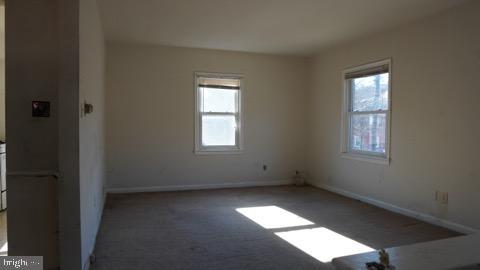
(4, 249)
(451, 253)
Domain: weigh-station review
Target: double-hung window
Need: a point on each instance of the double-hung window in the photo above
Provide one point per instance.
(218, 117)
(366, 113)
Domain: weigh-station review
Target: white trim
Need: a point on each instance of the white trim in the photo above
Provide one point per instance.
(198, 187)
(400, 210)
(87, 265)
(368, 158)
(227, 152)
(215, 150)
(370, 112)
(345, 121)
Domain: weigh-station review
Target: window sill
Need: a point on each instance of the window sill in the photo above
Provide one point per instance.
(367, 158)
(217, 152)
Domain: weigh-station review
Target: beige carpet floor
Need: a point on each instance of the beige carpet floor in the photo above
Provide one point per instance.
(204, 230)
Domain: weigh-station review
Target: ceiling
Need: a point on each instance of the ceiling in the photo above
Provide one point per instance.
(297, 27)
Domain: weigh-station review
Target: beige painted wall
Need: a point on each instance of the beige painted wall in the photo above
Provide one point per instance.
(92, 141)
(435, 130)
(2, 95)
(68, 139)
(2, 71)
(32, 74)
(61, 155)
(32, 223)
(150, 117)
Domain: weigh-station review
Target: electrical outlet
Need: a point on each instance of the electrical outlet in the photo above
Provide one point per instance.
(441, 197)
(444, 198)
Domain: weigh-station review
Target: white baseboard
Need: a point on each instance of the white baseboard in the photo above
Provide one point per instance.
(87, 265)
(198, 187)
(407, 212)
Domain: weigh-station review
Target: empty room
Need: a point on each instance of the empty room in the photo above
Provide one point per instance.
(242, 134)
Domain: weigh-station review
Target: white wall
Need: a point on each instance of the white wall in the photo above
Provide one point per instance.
(2, 95)
(32, 223)
(2, 71)
(150, 118)
(92, 154)
(32, 74)
(435, 131)
(61, 155)
(68, 138)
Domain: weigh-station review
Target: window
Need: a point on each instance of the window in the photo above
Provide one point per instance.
(218, 119)
(366, 115)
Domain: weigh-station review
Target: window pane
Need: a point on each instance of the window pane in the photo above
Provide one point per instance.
(370, 93)
(368, 132)
(218, 100)
(218, 130)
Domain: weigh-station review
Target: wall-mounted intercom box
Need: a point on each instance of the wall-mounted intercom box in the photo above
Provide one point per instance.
(40, 108)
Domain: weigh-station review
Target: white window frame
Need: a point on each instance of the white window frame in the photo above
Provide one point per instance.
(346, 151)
(226, 149)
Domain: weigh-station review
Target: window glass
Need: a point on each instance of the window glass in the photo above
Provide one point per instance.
(218, 100)
(370, 93)
(218, 113)
(366, 115)
(368, 132)
(218, 130)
